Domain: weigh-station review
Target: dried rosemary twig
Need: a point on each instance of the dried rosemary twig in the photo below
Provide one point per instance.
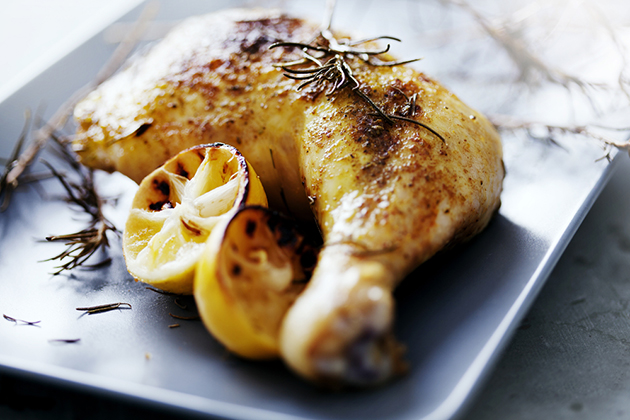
(508, 123)
(81, 245)
(326, 61)
(181, 305)
(104, 308)
(162, 292)
(186, 318)
(7, 188)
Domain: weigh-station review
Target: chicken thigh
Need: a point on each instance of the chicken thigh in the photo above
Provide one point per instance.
(386, 197)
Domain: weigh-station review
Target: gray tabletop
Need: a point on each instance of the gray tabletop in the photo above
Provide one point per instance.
(569, 358)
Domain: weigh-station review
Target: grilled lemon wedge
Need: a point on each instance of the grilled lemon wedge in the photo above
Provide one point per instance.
(250, 273)
(176, 208)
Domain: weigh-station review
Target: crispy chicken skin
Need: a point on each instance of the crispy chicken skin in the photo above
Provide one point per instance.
(386, 197)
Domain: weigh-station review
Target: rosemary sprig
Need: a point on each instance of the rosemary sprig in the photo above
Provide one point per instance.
(326, 61)
(81, 245)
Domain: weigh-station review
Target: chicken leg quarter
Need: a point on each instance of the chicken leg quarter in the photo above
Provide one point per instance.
(385, 196)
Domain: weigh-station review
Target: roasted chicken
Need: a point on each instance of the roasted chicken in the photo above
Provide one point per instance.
(385, 196)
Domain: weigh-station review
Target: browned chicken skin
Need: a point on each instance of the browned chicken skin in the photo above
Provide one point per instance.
(386, 197)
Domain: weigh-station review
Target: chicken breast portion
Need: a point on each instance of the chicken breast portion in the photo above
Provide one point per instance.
(386, 196)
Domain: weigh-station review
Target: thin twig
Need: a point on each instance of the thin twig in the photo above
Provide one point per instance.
(181, 305)
(509, 123)
(186, 318)
(104, 308)
(162, 292)
(7, 187)
(328, 15)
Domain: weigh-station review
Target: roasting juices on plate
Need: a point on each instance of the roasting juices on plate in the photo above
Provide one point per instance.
(391, 166)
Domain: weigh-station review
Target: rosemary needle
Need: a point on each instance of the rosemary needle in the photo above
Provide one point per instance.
(64, 340)
(162, 292)
(10, 318)
(186, 318)
(105, 308)
(181, 305)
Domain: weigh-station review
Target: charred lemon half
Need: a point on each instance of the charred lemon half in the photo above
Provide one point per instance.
(176, 208)
(250, 273)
